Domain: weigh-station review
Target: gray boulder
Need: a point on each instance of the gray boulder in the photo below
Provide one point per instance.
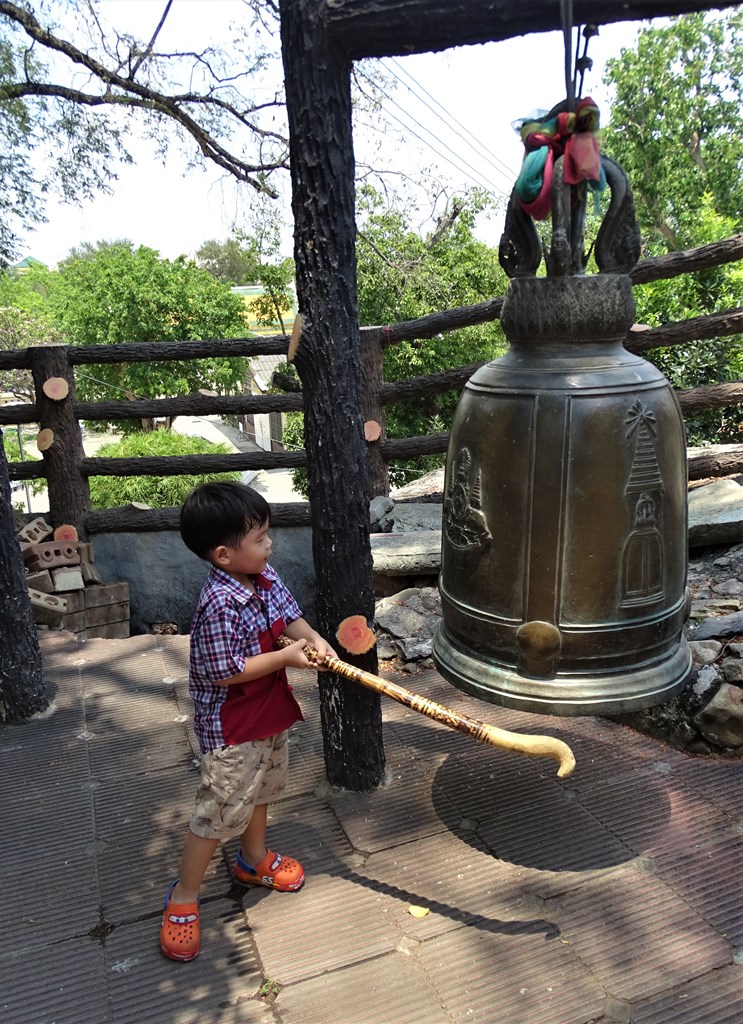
(721, 721)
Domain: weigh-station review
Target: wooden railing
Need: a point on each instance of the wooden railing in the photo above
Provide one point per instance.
(66, 468)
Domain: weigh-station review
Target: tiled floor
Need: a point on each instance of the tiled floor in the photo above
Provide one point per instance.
(611, 896)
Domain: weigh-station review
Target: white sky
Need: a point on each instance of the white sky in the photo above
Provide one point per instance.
(484, 88)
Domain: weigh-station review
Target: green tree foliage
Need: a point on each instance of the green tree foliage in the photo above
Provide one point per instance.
(25, 321)
(403, 275)
(155, 491)
(116, 293)
(676, 127)
(228, 261)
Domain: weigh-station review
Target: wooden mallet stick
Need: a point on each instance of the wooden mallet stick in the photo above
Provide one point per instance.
(533, 746)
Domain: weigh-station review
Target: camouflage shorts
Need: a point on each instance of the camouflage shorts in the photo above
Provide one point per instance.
(234, 780)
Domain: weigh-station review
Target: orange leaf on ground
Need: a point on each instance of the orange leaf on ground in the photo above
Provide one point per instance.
(354, 635)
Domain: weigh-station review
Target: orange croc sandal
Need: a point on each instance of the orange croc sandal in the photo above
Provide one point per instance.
(179, 933)
(274, 871)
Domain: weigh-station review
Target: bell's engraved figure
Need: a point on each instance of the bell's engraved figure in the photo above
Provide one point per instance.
(465, 522)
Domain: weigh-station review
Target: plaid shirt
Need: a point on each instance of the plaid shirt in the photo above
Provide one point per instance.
(231, 624)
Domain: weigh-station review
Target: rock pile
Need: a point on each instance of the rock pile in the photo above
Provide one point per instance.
(707, 717)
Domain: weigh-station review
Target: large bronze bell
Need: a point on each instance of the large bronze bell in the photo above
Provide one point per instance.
(564, 551)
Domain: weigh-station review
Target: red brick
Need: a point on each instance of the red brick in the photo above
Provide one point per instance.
(86, 551)
(90, 572)
(102, 614)
(35, 531)
(47, 608)
(40, 580)
(75, 600)
(67, 577)
(74, 622)
(106, 593)
(108, 631)
(50, 554)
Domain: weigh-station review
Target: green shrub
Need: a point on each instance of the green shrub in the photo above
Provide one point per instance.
(13, 454)
(155, 491)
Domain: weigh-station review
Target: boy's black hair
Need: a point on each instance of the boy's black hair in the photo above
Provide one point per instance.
(221, 513)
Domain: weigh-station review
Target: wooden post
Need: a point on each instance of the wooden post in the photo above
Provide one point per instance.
(69, 495)
(318, 97)
(22, 690)
(372, 366)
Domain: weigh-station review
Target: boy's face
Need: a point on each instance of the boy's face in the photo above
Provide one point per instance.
(249, 557)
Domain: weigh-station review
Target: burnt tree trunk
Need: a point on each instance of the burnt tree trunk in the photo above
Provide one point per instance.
(318, 99)
(22, 690)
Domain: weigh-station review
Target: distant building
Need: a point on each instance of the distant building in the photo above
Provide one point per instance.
(266, 429)
(249, 293)
(23, 266)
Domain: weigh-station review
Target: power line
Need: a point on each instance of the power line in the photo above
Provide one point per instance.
(469, 172)
(482, 151)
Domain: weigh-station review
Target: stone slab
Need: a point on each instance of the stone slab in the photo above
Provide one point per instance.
(219, 987)
(676, 944)
(486, 974)
(407, 554)
(400, 994)
(102, 792)
(716, 514)
(714, 999)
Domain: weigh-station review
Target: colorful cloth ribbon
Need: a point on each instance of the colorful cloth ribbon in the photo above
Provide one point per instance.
(574, 135)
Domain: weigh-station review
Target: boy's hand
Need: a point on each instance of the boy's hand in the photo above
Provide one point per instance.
(295, 656)
(324, 650)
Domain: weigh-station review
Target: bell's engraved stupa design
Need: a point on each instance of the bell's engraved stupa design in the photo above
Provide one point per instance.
(643, 553)
(564, 542)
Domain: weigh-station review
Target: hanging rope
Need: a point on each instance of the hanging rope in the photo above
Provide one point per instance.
(566, 18)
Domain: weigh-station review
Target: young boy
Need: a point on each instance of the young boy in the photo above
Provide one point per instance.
(243, 703)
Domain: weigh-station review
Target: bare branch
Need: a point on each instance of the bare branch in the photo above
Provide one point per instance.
(148, 49)
(124, 91)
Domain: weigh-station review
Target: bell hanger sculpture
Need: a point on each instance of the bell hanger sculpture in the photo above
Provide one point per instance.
(564, 541)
